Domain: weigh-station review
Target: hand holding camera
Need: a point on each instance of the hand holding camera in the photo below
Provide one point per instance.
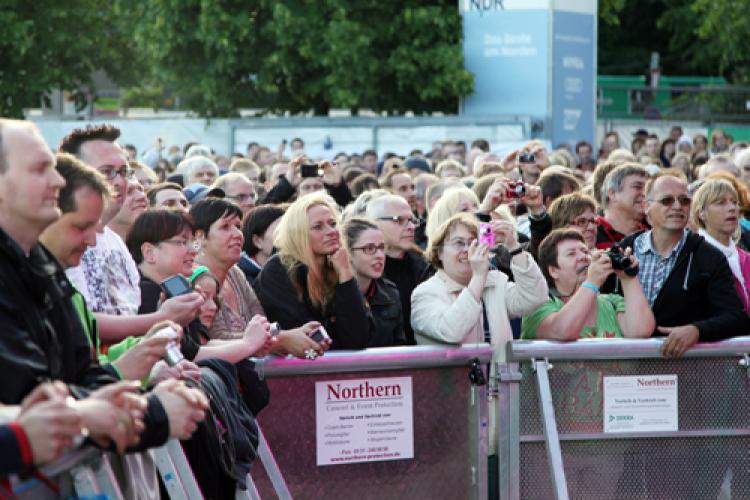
(624, 262)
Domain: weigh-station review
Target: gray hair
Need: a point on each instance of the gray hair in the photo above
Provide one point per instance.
(615, 180)
(718, 163)
(189, 165)
(359, 207)
(379, 206)
(198, 150)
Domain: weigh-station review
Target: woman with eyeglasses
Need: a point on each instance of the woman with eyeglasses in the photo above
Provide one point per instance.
(366, 246)
(467, 303)
(310, 277)
(715, 210)
(163, 246)
(576, 211)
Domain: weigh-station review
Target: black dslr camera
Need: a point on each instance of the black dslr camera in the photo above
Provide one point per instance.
(621, 262)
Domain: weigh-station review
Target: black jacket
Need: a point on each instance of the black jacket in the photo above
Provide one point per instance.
(384, 314)
(346, 321)
(43, 338)
(283, 191)
(699, 291)
(406, 274)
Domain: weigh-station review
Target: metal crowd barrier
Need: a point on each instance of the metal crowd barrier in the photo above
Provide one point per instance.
(84, 473)
(554, 441)
(449, 425)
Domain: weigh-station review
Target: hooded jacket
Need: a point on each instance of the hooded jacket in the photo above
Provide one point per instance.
(699, 291)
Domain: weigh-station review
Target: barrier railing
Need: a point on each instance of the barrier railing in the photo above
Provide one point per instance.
(448, 427)
(614, 419)
(85, 472)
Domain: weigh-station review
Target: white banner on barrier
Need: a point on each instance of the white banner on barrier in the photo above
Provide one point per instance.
(643, 403)
(364, 420)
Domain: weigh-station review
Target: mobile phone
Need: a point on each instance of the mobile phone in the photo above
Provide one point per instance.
(486, 234)
(176, 285)
(311, 170)
(319, 335)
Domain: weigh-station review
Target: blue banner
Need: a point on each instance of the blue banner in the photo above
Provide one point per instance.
(573, 78)
(507, 51)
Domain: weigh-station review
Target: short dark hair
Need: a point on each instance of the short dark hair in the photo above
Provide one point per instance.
(72, 142)
(481, 144)
(156, 188)
(256, 222)
(77, 175)
(154, 226)
(364, 182)
(581, 144)
(209, 210)
(353, 229)
(553, 183)
(370, 152)
(547, 253)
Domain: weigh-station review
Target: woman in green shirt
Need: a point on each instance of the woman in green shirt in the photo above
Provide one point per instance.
(576, 309)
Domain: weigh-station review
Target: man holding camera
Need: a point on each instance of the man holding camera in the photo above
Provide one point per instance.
(686, 280)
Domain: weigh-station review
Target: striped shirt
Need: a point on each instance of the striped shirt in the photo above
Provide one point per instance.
(653, 268)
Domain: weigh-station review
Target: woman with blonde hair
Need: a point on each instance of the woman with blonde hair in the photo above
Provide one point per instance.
(715, 210)
(310, 278)
(455, 200)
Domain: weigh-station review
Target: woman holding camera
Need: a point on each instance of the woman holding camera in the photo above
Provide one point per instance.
(366, 246)
(310, 278)
(164, 248)
(466, 302)
(575, 308)
(217, 223)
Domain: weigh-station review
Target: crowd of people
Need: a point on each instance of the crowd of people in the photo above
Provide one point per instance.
(136, 289)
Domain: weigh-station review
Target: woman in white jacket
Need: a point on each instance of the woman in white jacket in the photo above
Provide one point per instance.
(465, 302)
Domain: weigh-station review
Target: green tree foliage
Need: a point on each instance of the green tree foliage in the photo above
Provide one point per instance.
(301, 55)
(724, 28)
(693, 37)
(47, 44)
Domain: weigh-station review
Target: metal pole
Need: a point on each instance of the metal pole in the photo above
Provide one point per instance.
(168, 472)
(84, 481)
(479, 424)
(508, 421)
(183, 468)
(272, 468)
(551, 437)
(106, 478)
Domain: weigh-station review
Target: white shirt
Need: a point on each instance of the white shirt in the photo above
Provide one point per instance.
(107, 276)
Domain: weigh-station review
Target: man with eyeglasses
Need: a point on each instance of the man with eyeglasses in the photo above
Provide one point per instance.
(686, 280)
(238, 189)
(404, 264)
(107, 276)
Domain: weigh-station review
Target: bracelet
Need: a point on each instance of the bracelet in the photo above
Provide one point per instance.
(515, 252)
(590, 286)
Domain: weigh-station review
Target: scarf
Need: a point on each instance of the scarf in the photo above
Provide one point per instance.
(730, 252)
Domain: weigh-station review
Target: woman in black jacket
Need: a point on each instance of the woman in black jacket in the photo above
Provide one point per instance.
(366, 246)
(310, 278)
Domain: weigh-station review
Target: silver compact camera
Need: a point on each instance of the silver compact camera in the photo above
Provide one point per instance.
(172, 354)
